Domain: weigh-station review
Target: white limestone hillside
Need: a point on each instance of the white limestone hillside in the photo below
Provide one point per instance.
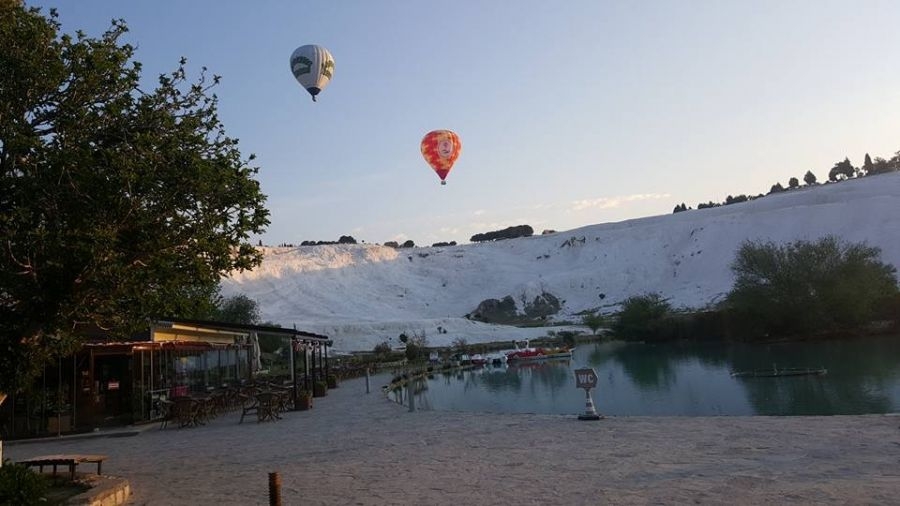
(362, 294)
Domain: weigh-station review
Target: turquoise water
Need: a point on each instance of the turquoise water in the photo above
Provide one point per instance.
(684, 380)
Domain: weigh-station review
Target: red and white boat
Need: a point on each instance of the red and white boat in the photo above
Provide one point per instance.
(536, 353)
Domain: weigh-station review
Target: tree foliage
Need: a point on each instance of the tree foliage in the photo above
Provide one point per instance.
(842, 170)
(506, 233)
(809, 178)
(239, 309)
(807, 287)
(416, 347)
(641, 317)
(117, 203)
(593, 321)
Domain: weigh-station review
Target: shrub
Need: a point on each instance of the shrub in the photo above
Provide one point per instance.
(567, 338)
(21, 486)
(506, 233)
(460, 344)
(415, 347)
(382, 348)
(808, 287)
(641, 317)
(593, 321)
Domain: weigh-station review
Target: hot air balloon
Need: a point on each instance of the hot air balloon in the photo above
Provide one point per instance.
(441, 148)
(313, 67)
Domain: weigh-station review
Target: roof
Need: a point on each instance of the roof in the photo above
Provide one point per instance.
(241, 327)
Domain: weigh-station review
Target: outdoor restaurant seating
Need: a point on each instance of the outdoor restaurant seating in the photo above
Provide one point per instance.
(188, 412)
(268, 407)
(265, 399)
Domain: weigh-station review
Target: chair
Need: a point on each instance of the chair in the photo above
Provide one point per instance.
(268, 404)
(186, 412)
(249, 405)
(165, 408)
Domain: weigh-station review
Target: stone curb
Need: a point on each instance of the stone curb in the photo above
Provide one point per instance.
(105, 491)
(122, 432)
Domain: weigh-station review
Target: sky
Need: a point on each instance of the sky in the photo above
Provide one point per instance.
(570, 113)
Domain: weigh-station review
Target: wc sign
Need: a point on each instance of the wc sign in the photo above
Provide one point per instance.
(585, 378)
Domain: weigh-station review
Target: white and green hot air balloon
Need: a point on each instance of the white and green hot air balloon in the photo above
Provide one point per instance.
(312, 66)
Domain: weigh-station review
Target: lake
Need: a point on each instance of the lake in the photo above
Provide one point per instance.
(683, 380)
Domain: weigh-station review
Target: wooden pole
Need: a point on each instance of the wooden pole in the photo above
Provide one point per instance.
(274, 489)
(293, 371)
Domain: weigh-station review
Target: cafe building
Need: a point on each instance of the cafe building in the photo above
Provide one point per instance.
(111, 382)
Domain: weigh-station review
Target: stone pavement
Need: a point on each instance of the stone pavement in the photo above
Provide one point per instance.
(354, 448)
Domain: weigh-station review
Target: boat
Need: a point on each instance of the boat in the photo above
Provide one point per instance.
(497, 358)
(478, 359)
(775, 372)
(536, 353)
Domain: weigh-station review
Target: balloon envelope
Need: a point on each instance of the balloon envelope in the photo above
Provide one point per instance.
(312, 66)
(441, 148)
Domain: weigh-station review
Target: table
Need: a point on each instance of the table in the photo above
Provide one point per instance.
(63, 460)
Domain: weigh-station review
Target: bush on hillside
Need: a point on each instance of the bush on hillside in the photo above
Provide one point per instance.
(808, 287)
(506, 233)
(641, 318)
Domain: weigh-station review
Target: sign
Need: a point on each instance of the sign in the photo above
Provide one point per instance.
(585, 378)
(113, 385)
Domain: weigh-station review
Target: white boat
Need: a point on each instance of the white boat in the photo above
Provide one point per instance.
(496, 358)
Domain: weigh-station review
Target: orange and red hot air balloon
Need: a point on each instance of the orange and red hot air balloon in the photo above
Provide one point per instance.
(441, 148)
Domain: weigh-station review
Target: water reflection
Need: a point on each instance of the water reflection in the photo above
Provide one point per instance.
(694, 379)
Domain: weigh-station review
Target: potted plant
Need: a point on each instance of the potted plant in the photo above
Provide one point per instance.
(320, 389)
(332, 381)
(304, 400)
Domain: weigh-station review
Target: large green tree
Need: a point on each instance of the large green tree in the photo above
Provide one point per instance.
(238, 308)
(808, 287)
(118, 202)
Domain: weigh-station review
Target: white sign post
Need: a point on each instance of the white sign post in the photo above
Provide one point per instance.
(587, 379)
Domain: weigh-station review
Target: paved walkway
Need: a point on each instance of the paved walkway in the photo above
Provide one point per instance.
(354, 448)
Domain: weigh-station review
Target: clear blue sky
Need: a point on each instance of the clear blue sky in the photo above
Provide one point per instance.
(570, 113)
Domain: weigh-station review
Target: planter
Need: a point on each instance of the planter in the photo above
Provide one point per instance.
(332, 381)
(320, 389)
(304, 401)
(62, 423)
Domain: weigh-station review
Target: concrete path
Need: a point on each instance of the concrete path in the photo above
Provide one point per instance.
(354, 448)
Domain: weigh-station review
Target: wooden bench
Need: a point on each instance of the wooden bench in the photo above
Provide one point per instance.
(63, 460)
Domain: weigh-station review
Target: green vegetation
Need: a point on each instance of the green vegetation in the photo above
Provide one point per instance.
(802, 288)
(239, 309)
(841, 171)
(118, 202)
(807, 287)
(593, 321)
(641, 318)
(417, 347)
(21, 486)
(506, 233)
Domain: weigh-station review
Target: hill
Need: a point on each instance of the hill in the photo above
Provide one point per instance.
(364, 294)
